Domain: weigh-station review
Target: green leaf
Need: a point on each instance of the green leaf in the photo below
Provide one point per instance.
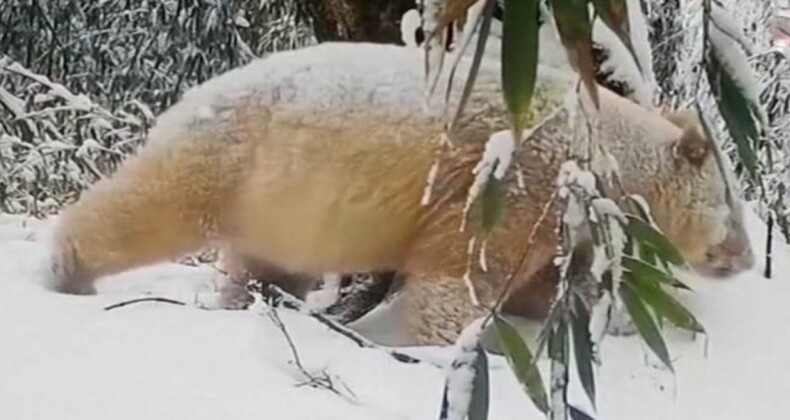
(614, 13)
(645, 270)
(645, 233)
(663, 304)
(493, 202)
(478, 406)
(482, 37)
(577, 414)
(647, 254)
(519, 58)
(641, 211)
(521, 362)
(479, 401)
(575, 30)
(644, 323)
(737, 114)
(560, 368)
(583, 348)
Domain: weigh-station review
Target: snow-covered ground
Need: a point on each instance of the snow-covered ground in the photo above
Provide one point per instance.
(64, 357)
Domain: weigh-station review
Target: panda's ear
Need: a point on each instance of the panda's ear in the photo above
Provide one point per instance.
(692, 146)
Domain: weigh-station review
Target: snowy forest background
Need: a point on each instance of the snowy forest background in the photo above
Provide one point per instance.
(81, 81)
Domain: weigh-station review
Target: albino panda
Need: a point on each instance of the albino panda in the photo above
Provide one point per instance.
(317, 161)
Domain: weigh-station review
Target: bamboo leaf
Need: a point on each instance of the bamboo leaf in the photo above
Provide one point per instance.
(645, 233)
(444, 412)
(479, 398)
(493, 202)
(519, 58)
(583, 347)
(521, 362)
(645, 270)
(737, 114)
(577, 414)
(558, 352)
(485, 28)
(575, 30)
(644, 323)
(614, 13)
(641, 211)
(663, 304)
(646, 251)
(647, 254)
(475, 16)
(478, 406)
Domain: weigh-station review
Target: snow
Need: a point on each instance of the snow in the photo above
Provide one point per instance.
(724, 21)
(462, 371)
(429, 182)
(63, 357)
(327, 293)
(608, 254)
(471, 31)
(409, 23)
(15, 105)
(600, 316)
(79, 102)
(640, 40)
(470, 249)
(733, 58)
(495, 161)
(394, 86)
(571, 174)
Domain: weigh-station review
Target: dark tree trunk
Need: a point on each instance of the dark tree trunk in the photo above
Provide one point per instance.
(356, 20)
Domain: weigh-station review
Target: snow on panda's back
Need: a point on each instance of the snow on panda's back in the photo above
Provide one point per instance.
(327, 76)
(341, 78)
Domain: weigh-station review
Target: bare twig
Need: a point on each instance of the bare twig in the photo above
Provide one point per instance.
(146, 299)
(281, 297)
(523, 258)
(322, 380)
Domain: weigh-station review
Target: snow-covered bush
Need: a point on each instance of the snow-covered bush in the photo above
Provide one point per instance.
(676, 39)
(81, 80)
(54, 143)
